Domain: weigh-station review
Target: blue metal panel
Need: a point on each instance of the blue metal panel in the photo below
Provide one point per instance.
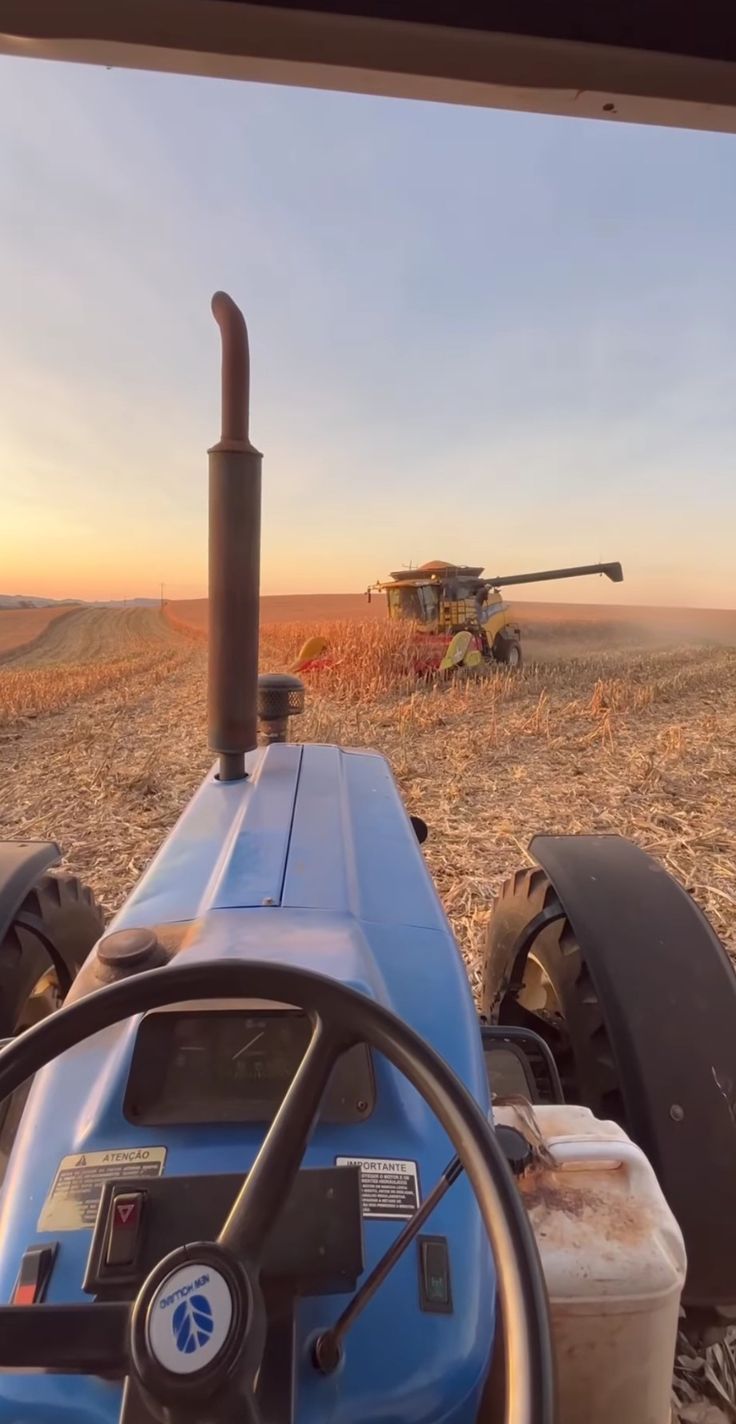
(350, 849)
(251, 870)
(227, 849)
(357, 904)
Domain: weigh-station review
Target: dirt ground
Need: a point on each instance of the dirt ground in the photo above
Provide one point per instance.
(88, 635)
(551, 630)
(19, 627)
(287, 608)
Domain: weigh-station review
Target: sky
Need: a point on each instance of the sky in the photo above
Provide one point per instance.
(497, 338)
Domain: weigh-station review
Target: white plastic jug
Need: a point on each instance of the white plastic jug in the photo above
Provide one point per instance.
(614, 1262)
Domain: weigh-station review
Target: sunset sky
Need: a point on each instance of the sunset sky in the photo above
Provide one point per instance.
(498, 338)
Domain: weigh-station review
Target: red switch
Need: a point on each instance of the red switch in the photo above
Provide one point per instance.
(126, 1212)
(34, 1274)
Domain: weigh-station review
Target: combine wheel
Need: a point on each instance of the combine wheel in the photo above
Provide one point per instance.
(508, 651)
(47, 941)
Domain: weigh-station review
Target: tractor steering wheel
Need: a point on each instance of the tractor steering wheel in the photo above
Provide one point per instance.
(222, 1387)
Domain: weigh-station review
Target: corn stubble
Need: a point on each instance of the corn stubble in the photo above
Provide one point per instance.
(636, 740)
(602, 734)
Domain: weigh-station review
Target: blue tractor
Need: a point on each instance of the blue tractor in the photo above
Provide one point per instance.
(252, 1166)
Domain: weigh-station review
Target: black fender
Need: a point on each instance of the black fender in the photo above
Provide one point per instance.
(21, 864)
(667, 992)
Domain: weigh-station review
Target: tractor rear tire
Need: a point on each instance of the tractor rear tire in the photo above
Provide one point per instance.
(35, 977)
(549, 989)
(638, 1006)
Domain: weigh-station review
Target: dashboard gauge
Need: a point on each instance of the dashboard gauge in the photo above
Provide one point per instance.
(221, 1065)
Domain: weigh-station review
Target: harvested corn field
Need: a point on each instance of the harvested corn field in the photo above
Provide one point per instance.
(84, 653)
(103, 754)
(20, 628)
(635, 737)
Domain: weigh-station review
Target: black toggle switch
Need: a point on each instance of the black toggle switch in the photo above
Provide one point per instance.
(34, 1274)
(435, 1294)
(124, 1229)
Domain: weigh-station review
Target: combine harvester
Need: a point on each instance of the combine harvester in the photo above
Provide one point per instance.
(273, 1167)
(458, 619)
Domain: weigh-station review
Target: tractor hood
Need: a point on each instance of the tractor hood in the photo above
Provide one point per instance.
(311, 860)
(313, 828)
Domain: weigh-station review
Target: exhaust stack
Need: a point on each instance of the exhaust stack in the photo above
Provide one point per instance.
(234, 556)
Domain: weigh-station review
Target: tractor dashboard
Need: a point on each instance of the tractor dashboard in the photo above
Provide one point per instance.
(228, 1065)
(315, 1248)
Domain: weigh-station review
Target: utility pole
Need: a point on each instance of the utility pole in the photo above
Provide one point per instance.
(162, 594)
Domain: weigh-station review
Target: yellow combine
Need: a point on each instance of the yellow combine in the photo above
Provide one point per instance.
(459, 617)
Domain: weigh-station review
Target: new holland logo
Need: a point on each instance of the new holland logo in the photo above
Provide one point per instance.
(189, 1323)
(192, 1324)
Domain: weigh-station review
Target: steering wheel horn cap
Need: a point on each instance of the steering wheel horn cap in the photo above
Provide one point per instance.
(188, 1319)
(195, 1325)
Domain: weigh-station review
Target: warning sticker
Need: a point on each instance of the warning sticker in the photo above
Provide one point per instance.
(75, 1196)
(389, 1186)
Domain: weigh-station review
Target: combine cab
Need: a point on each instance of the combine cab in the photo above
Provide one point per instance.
(460, 618)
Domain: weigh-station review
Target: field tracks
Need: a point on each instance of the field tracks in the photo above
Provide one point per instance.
(85, 652)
